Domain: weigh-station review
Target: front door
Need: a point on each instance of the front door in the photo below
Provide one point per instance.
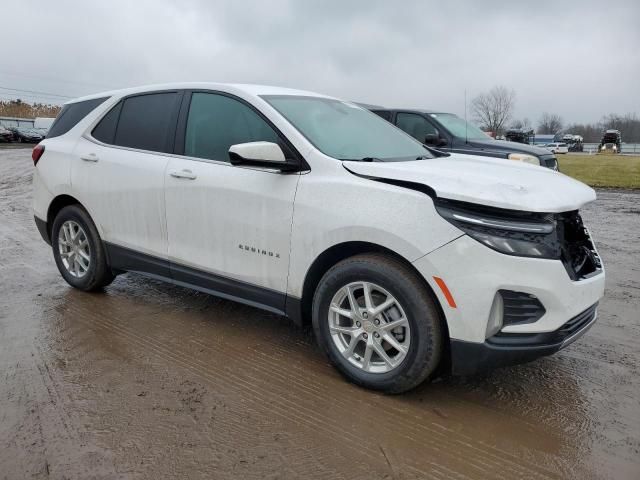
(228, 227)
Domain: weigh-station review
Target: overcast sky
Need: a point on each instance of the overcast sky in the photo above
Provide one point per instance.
(580, 59)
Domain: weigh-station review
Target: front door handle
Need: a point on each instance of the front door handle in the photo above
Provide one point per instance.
(187, 174)
(91, 157)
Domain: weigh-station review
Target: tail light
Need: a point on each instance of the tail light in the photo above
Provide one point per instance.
(36, 153)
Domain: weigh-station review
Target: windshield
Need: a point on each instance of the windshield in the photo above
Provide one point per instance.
(459, 128)
(345, 131)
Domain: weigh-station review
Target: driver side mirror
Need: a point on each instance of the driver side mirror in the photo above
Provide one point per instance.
(434, 140)
(260, 154)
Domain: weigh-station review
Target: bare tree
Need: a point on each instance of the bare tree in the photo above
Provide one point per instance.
(549, 123)
(494, 108)
(524, 124)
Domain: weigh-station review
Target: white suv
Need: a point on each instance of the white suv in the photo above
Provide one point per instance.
(403, 258)
(557, 147)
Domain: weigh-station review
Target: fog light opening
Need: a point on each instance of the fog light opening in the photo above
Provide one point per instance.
(495, 316)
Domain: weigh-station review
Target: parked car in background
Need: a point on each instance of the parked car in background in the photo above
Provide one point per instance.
(449, 133)
(575, 143)
(611, 142)
(520, 135)
(26, 135)
(404, 259)
(557, 147)
(5, 135)
(42, 131)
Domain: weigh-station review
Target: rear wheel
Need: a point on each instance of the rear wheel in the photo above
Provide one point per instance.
(78, 250)
(377, 323)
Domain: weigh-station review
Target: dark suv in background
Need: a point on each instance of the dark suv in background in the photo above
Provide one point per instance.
(449, 133)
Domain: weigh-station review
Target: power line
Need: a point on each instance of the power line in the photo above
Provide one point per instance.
(16, 96)
(47, 94)
(58, 80)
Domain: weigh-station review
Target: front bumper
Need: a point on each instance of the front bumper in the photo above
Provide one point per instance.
(468, 358)
(474, 274)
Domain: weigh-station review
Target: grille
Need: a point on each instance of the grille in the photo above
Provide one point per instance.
(520, 308)
(577, 322)
(557, 337)
(576, 248)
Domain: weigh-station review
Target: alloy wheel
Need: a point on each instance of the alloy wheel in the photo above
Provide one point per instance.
(369, 327)
(74, 249)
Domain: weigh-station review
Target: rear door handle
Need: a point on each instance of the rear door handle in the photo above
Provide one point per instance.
(186, 174)
(91, 157)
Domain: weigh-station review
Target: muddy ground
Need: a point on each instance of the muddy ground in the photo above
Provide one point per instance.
(149, 380)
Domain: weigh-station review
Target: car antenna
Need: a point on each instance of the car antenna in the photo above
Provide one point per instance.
(466, 137)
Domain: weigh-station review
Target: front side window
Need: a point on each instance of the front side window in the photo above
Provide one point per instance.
(215, 122)
(144, 121)
(415, 125)
(345, 131)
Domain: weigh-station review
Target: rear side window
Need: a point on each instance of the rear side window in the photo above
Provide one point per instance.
(71, 114)
(215, 122)
(143, 122)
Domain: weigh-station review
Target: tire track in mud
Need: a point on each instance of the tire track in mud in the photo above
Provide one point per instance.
(484, 460)
(216, 379)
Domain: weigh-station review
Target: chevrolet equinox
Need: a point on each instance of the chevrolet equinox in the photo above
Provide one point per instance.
(405, 260)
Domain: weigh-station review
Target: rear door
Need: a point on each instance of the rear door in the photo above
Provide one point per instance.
(228, 226)
(119, 173)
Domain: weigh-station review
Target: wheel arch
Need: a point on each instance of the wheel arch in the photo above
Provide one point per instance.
(57, 204)
(337, 253)
(299, 310)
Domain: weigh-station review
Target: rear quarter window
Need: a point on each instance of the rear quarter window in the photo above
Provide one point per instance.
(71, 114)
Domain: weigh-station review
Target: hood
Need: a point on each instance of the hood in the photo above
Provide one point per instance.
(510, 147)
(486, 181)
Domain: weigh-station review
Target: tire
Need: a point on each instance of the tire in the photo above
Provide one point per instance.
(97, 274)
(422, 319)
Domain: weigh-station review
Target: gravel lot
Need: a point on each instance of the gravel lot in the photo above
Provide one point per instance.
(149, 380)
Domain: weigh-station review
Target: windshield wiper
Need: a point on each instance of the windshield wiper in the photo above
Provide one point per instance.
(365, 159)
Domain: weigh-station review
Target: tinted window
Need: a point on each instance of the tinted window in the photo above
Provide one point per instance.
(215, 122)
(71, 114)
(384, 114)
(105, 131)
(415, 125)
(145, 121)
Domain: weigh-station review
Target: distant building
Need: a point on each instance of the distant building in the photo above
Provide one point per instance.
(16, 122)
(543, 139)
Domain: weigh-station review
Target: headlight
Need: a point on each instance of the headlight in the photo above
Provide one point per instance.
(507, 231)
(523, 157)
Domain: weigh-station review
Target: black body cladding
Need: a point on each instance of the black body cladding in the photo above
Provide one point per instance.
(505, 349)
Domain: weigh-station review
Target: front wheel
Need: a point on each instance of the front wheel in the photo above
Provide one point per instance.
(377, 323)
